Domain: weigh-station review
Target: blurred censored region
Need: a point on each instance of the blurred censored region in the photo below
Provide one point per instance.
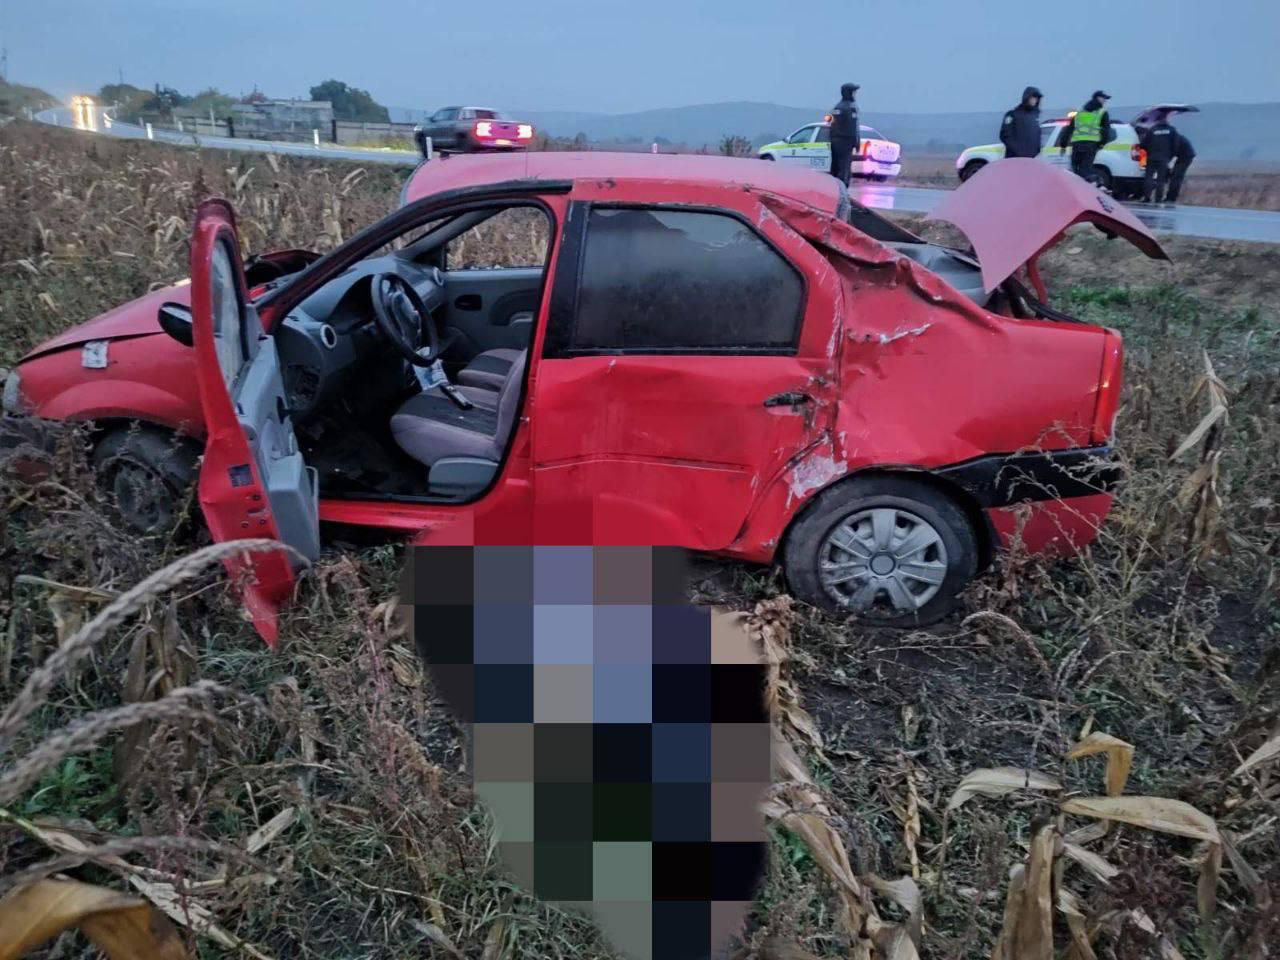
(618, 734)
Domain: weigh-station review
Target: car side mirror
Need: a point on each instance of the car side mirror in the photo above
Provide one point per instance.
(175, 320)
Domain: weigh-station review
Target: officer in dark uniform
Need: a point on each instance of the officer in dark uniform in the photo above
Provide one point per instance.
(1160, 141)
(1086, 133)
(844, 132)
(1183, 154)
(1020, 128)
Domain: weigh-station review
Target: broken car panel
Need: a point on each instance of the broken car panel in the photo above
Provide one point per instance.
(713, 354)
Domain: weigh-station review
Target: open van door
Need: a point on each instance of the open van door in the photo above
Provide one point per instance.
(253, 481)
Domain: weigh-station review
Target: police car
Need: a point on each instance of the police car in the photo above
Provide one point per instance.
(1119, 165)
(876, 158)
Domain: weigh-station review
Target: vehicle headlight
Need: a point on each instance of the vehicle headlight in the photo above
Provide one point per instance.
(13, 401)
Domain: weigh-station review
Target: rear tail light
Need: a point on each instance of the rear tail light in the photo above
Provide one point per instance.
(484, 129)
(1138, 155)
(1110, 385)
(525, 132)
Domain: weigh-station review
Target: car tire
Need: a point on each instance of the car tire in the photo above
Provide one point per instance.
(894, 522)
(1102, 177)
(768, 156)
(146, 474)
(970, 168)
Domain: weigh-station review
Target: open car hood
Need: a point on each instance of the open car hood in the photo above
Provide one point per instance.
(1014, 210)
(1162, 111)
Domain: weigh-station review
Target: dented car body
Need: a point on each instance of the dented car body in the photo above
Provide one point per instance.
(712, 355)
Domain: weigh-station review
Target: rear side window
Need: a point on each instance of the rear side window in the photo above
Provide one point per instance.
(679, 281)
(824, 134)
(1046, 133)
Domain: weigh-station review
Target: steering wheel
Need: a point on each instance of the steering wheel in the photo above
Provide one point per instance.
(404, 319)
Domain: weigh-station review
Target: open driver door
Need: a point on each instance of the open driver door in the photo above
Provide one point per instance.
(253, 480)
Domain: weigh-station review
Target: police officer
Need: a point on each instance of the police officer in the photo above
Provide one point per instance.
(844, 132)
(1183, 154)
(1020, 128)
(1086, 133)
(1159, 140)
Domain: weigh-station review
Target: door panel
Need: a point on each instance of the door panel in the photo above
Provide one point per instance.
(649, 445)
(253, 481)
(492, 308)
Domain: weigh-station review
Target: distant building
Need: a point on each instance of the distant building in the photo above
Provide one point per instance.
(284, 115)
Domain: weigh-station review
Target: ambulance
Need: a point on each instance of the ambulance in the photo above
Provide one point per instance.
(876, 158)
(1119, 166)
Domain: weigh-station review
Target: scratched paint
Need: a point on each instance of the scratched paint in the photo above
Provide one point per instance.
(814, 474)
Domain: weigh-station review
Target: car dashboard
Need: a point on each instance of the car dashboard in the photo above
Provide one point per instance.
(332, 335)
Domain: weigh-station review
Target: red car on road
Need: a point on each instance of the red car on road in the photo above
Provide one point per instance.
(704, 352)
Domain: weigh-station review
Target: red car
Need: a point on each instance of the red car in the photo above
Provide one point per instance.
(710, 353)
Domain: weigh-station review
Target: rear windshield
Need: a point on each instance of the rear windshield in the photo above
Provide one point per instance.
(489, 115)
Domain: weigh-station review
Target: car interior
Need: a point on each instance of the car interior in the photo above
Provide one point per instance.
(403, 376)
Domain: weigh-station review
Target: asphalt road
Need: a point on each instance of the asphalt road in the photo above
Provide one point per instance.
(1218, 222)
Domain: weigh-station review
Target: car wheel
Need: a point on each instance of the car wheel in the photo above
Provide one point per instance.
(1102, 177)
(146, 474)
(768, 156)
(889, 550)
(970, 168)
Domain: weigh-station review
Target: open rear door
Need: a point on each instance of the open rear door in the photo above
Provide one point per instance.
(253, 481)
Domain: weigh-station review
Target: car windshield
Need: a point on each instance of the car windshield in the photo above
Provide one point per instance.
(871, 133)
(803, 135)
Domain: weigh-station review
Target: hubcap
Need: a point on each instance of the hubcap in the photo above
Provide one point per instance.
(883, 562)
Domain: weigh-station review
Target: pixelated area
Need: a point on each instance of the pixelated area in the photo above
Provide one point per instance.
(618, 735)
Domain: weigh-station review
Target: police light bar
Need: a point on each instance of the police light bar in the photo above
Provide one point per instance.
(826, 118)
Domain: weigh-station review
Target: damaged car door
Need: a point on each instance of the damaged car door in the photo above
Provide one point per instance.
(253, 480)
(687, 362)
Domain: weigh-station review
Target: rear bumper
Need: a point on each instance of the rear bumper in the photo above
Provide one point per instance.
(1005, 480)
(877, 168)
(1049, 502)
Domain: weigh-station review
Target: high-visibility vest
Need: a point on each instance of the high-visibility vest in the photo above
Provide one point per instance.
(1088, 127)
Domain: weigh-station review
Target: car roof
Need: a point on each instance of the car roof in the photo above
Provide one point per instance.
(696, 170)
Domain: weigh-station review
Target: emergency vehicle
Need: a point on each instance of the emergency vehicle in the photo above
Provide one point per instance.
(810, 146)
(1119, 165)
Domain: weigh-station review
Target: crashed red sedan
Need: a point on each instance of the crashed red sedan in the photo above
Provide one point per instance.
(705, 352)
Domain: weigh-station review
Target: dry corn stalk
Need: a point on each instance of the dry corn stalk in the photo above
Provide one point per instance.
(799, 806)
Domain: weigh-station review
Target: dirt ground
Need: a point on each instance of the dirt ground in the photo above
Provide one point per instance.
(334, 763)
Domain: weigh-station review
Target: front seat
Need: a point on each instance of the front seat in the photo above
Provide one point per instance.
(489, 369)
(430, 427)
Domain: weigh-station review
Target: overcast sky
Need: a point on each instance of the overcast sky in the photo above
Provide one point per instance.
(598, 55)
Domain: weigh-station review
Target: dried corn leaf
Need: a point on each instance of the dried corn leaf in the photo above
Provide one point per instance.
(1077, 924)
(998, 781)
(1207, 885)
(1095, 864)
(121, 926)
(906, 894)
(1004, 949)
(1153, 813)
(1119, 758)
(268, 832)
(1267, 752)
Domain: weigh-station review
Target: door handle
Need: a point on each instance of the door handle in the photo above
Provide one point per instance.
(793, 399)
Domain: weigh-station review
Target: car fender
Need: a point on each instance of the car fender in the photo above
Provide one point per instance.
(148, 378)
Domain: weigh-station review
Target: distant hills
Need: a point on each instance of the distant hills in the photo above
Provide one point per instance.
(1222, 132)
